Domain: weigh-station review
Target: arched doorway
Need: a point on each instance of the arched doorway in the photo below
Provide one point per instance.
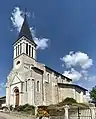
(16, 91)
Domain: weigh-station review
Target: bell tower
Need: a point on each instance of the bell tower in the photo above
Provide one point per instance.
(24, 47)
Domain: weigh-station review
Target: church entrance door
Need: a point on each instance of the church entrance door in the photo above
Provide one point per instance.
(16, 97)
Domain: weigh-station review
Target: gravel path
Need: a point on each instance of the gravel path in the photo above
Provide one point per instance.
(5, 116)
(10, 116)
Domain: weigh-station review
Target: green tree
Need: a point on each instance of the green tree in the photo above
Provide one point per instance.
(93, 93)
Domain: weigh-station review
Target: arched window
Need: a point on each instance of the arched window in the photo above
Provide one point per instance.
(27, 48)
(38, 86)
(32, 52)
(26, 85)
(16, 50)
(48, 78)
(22, 87)
(20, 48)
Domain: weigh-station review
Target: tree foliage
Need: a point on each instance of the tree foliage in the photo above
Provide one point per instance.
(67, 101)
(26, 109)
(93, 93)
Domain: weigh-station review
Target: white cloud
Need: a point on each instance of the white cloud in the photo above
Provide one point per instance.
(77, 75)
(87, 77)
(17, 21)
(92, 78)
(73, 74)
(42, 43)
(77, 59)
(17, 18)
(84, 74)
(33, 31)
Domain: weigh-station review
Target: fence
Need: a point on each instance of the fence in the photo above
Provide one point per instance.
(80, 113)
(77, 113)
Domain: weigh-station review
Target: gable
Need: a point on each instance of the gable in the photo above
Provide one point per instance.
(15, 80)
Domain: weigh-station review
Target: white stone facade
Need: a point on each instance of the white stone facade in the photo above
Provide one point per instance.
(34, 83)
(32, 72)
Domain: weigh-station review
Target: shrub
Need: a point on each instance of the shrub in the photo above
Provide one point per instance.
(11, 107)
(26, 108)
(42, 111)
(56, 112)
(29, 108)
(5, 108)
(67, 101)
(52, 110)
(70, 100)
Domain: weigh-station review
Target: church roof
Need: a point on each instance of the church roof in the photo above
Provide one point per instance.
(25, 31)
(58, 73)
(72, 85)
(38, 69)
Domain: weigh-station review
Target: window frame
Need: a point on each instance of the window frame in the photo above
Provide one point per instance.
(38, 86)
(20, 48)
(48, 77)
(32, 52)
(27, 48)
(26, 86)
(16, 51)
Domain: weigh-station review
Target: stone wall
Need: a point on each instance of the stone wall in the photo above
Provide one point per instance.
(38, 93)
(65, 92)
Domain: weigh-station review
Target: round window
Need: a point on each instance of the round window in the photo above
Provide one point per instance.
(18, 62)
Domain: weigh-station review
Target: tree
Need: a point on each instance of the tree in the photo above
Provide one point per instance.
(93, 93)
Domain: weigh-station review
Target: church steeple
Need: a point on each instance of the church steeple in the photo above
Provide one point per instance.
(25, 30)
(25, 44)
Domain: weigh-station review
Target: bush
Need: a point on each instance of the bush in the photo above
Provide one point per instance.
(54, 110)
(70, 100)
(42, 111)
(5, 108)
(51, 110)
(67, 101)
(20, 108)
(42, 107)
(26, 108)
(11, 107)
(29, 108)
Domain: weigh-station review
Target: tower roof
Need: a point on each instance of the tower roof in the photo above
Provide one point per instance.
(25, 31)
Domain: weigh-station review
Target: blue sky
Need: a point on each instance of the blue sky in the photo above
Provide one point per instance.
(68, 26)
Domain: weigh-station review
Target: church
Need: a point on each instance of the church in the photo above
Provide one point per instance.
(35, 83)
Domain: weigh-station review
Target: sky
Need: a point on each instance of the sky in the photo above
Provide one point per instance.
(64, 30)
